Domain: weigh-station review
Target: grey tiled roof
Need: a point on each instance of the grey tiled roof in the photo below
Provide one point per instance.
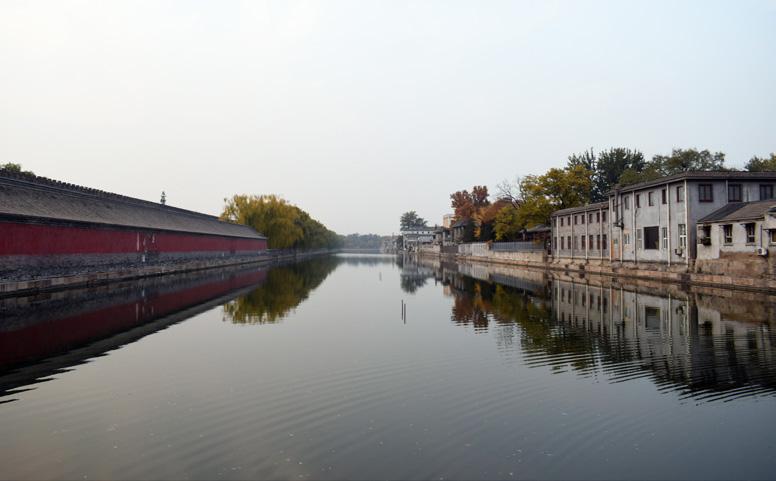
(28, 196)
(582, 208)
(538, 228)
(737, 211)
(699, 175)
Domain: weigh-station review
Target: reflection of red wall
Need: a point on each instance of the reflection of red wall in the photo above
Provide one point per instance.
(57, 335)
(36, 239)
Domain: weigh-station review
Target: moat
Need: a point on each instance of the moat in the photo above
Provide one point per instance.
(370, 366)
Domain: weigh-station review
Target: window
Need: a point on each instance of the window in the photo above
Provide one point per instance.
(626, 202)
(664, 196)
(598, 217)
(773, 236)
(766, 191)
(568, 220)
(626, 239)
(638, 201)
(734, 193)
(582, 242)
(650, 199)
(598, 242)
(705, 193)
(561, 221)
(639, 245)
(605, 245)
(582, 218)
(682, 236)
(680, 193)
(749, 233)
(568, 242)
(603, 216)
(727, 232)
(576, 219)
(664, 235)
(555, 242)
(590, 218)
(562, 242)
(651, 239)
(590, 241)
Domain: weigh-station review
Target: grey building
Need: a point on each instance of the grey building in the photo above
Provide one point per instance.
(654, 222)
(581, 232)
(416, 236)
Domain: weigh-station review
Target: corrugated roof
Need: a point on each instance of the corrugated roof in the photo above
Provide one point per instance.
(737, 211)
(28, 196)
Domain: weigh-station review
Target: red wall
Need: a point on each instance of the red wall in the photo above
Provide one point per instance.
(60, 334)
(36, 239)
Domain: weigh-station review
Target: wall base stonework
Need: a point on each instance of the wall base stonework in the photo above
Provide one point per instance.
(739, 271)
(16, 283)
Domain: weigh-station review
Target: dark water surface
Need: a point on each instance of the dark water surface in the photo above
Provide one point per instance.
(311, 371)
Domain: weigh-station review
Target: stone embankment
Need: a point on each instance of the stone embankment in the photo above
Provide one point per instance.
(742, 274)
(27, 282)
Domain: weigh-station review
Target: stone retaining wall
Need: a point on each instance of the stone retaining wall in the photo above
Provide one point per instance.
(99, 274)
(742, 274)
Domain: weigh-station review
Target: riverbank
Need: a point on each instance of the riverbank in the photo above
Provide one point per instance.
(736, 279)
(87, 277)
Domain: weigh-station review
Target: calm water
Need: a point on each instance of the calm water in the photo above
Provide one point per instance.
(311, 371)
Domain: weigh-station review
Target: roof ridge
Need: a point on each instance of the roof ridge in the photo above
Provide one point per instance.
(41, 181)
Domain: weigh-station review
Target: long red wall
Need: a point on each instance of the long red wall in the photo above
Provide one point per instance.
(36, 239)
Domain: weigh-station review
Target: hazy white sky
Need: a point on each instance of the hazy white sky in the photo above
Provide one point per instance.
(360, 110)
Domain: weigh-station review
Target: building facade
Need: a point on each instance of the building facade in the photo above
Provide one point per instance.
(654, 222)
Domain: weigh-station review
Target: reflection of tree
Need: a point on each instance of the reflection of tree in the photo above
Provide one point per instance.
(478, 303)
(284, 289)
(410, 284)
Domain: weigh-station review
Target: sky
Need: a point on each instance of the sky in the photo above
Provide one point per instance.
(358, 111)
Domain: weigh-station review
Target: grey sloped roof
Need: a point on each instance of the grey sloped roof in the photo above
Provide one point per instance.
(736, 211)
(767, 176)
(28, 196)
(538, 228)
(582, 208)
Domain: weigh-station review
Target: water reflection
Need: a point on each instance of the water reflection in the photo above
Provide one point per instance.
(708, 345)
(283, 289)
(47, 333)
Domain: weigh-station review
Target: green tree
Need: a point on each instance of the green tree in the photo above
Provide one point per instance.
(557, 189)
(410, 219)
(15, 168)
(761, 164)
(286, 225)
(508, 223)
(610, 167)
(685, 160)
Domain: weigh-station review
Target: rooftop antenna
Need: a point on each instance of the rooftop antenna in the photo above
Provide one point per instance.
(163, 201)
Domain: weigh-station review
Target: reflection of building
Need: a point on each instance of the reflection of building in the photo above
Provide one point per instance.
(82, 323)
(705, 346)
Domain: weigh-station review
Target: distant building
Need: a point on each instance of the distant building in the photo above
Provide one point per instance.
(448, 220)
(463, 231)
(413, 237)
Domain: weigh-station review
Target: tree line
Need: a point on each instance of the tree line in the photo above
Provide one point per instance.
(587, 178)
(286, 225)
